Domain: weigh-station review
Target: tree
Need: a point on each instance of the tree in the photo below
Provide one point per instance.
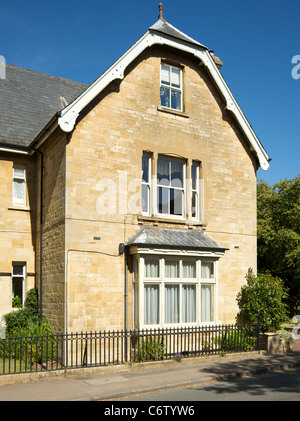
(263, 295)
(278, 234)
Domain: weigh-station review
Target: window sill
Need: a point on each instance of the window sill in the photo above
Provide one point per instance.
(171, 111)
(161, 220)
(19, 208)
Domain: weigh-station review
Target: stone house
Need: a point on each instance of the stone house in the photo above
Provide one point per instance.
(131, 202)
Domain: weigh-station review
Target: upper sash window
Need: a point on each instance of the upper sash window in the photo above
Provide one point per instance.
(171, 87)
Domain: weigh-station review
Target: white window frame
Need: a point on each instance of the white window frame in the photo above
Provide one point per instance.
(147, 185)
(153, 187)
(18, 178)
(171, 88)
(170, 187)
(195, 190)
(21, 277)
(140, 281)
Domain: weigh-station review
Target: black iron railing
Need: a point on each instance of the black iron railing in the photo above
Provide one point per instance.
(93, 349)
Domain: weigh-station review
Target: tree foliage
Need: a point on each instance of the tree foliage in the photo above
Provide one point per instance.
(263, 296)
(278, 234)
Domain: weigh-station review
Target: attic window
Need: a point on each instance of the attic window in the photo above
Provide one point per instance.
(171, 87)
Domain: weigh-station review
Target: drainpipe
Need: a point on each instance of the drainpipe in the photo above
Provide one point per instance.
(126, 302)
(123, 250)
(126, 289)
(41, 232)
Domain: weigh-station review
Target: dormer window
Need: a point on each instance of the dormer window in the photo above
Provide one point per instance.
(171, 87)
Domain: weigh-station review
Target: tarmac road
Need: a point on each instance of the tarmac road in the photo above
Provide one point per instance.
(271, 387)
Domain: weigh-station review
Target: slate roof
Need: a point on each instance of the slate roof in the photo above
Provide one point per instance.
(28, 101)
(166, 28)
(174, 238)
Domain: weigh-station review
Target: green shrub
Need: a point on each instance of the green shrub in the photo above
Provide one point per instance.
(151, 350)
(27, 337)
(240, 340)
(17, 302)
(33, 343)
(19, 319)
(263, 295)
(32, 303)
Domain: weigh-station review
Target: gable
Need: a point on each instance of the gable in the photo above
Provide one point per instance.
(164, 34)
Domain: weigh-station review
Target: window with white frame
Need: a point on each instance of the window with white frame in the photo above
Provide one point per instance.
(170, 186)
(18, 281)
(146, 183)
(171, 87)
(172, 291)
(169, 193)
(19, 185)
(195, 189)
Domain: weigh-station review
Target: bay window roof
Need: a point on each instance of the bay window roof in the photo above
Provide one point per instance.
(157, 237)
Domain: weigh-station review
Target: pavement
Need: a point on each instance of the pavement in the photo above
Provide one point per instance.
(115, 382)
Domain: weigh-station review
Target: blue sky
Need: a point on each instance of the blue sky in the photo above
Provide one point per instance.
(256, 40)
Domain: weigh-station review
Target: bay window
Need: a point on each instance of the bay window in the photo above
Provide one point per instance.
(174, 291)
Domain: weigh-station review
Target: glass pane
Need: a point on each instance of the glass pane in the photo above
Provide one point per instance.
(165, 97)
(172, 304)
(175, 202)
(145, 198)
(171, 269)
(194, 176)
(176, 100)
(165, 74)
(207, 303)
(188, 269)
(145, 168)
(151, 268)
(194, 204)
(175, 77)
(188, 303)
(207, 270)
(17, 287)
(19, 173)
(176, 174)
(19, 191)
(151, 304)
(163, 200)
(18, 270)
(163, 172)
